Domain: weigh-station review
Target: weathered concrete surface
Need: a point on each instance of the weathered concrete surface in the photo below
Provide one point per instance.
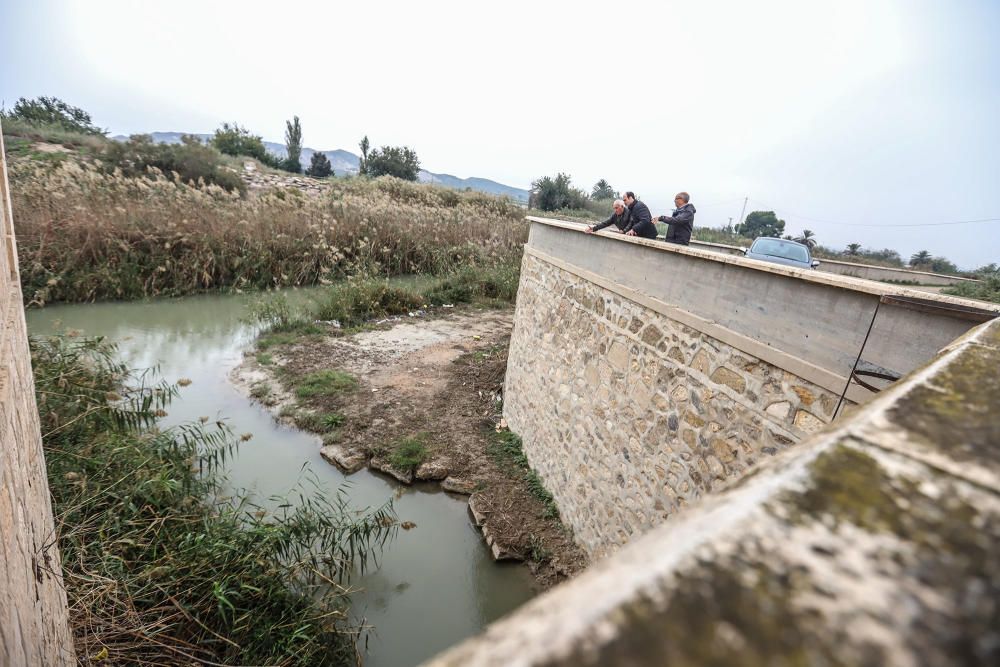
(866, 271)
(642, 376)
(34, 624)
(873, 543)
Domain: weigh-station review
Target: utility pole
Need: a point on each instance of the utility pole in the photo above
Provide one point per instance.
(744, 209)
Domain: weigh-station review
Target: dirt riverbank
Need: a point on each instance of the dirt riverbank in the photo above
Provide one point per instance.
(418, 398)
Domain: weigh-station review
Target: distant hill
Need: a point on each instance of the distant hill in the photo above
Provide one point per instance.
(345, 162)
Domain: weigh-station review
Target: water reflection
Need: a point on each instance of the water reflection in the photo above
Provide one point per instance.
(436, 583)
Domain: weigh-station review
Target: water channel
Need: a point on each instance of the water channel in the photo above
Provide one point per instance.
(436, 584)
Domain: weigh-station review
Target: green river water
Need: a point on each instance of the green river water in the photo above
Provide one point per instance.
(436, 584)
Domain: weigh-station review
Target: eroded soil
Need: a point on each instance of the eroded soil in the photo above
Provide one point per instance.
(434, 379)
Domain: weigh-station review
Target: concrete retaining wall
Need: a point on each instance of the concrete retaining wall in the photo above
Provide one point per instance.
(642, 376)
(866, 271)
(34, 623)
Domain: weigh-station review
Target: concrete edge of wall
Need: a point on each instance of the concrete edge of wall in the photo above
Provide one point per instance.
(871, 543)
(791, 363)
(818, 277)
(732, 249)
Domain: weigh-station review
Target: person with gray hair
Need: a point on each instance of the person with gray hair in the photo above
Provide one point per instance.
(619, 218)
(681, 222)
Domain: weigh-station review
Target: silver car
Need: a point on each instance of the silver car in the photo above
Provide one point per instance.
(782, 251)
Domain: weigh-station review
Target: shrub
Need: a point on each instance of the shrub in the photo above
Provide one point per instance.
(191, 162)
(159, 565)
(358, 301)
(236, 140)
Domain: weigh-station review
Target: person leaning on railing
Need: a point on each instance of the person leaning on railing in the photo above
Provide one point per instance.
(681, 222)
(619, 218)
(640, 221)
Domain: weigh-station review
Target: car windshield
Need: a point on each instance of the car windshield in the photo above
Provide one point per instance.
(779, 248)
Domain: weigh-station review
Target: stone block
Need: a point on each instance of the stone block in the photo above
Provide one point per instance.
(729, 378)
(701, 362)
(779, 409)
(808, 422)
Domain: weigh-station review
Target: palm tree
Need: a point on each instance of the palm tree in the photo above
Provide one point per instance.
(853, 248)
(602, 190)
(922, 257)
(808, 237)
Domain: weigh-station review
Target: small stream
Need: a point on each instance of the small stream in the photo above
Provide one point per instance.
(436, 584)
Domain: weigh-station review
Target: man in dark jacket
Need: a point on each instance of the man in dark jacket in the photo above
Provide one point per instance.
(619, 219)
(681, 222)
(640, 220)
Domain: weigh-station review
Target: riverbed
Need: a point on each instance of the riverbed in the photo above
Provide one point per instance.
(436, 583)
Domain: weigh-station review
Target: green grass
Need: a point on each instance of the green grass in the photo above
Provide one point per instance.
(287, 335)
(409, 453)
(265, 359)
(261, 391)
(987, 289)
(326, 382)
(318, 422)
(162, 564)
(506, 449)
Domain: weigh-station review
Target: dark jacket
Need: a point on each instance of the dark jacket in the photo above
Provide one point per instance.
(680, 224)
(619, 221)
(640, 220)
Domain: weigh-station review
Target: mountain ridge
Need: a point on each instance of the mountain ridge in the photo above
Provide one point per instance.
(346, 162)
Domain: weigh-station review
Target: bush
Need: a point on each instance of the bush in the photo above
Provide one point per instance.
(159, 565)
(191, 161)
(236, 140)
(358, 301)
(987, 289)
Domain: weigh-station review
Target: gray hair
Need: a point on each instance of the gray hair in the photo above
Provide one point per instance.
(618, 202)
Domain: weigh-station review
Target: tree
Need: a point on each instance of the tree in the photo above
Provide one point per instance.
(761, 223)
(922, 257)
(236, 140)
(293, 145)
(552, 194)
(319, 166)
(363, 162)
(603, 190)
(853, 248)
(53, 111)
(398, 161)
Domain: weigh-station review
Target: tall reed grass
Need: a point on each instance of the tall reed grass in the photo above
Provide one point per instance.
(160, 567)
(86, 235)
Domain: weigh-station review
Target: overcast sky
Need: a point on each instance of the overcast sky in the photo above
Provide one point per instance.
(837, 115)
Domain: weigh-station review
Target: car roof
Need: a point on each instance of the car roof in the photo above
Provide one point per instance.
(775, 238)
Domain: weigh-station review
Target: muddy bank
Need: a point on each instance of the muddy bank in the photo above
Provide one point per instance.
(419, 399)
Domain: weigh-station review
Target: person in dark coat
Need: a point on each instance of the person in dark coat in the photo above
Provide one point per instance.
(681, 223)
(640, 220)
(619, 218)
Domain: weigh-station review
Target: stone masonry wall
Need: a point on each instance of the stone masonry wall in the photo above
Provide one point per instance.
(871, 543)
(34, 622)
(628, 415)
